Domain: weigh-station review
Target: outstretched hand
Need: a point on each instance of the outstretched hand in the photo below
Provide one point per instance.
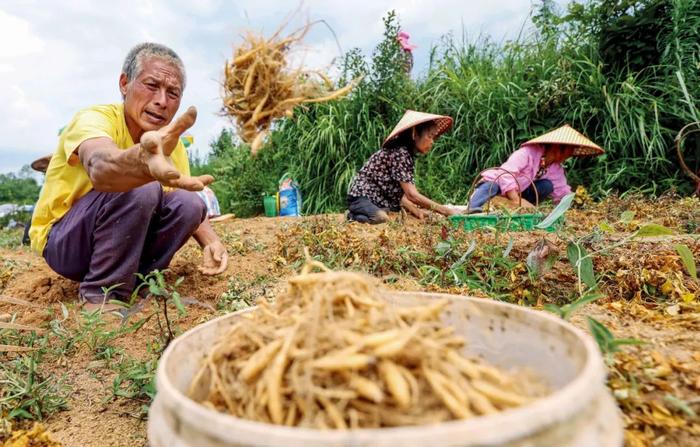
(156, 147)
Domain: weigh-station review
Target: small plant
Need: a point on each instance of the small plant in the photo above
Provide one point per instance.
(606, 340)
(164, 294)
(567, 310)
(135, 380)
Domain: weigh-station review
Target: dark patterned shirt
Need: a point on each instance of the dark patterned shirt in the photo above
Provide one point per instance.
(381, 176)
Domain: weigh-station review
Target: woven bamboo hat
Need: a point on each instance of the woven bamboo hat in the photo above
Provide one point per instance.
(412, 118)
(569, 136)
(41, 164)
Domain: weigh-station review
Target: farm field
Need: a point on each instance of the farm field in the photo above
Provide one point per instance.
(89, 381)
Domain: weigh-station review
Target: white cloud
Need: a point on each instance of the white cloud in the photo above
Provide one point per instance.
(18, 38)
(59, 57)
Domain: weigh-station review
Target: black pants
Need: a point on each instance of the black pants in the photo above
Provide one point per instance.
(361, 209)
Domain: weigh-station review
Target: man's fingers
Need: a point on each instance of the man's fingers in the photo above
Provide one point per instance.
(205, 179)
(206, 270)
(223, 264)
(183, 122)
(188, 183)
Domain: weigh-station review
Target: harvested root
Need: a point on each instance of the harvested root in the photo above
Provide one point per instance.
(332, 353)
(260, 86)
(37, 436)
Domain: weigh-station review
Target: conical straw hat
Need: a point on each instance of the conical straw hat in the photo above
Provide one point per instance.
(412, 118)
(569, 136)
(41, 164)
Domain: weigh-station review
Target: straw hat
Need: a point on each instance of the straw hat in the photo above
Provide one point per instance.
(41, 164)
(569, 136)
(412, 118)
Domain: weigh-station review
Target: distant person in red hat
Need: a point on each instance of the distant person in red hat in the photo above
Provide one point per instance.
(407, 49)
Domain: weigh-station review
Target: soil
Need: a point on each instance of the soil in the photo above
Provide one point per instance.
(258, 266)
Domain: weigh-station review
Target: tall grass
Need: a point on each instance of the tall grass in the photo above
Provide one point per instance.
(499, 97)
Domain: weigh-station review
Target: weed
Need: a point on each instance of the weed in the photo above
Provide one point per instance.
(607, 342)
(135, 380)
(242, 294)
(25, 392)
(164, 294)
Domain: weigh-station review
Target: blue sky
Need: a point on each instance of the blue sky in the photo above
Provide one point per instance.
(60, 56)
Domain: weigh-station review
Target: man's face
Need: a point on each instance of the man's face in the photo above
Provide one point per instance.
(153, 97)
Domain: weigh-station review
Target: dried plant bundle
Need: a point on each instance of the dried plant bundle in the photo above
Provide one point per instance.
(260, 86)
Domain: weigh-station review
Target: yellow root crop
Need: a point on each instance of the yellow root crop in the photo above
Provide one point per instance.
(332, 353)
(260, 86)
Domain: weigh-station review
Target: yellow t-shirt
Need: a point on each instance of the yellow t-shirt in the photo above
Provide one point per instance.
(66, 179)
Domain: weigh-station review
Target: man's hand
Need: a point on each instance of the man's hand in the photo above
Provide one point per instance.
(215, 258)
(156, 147)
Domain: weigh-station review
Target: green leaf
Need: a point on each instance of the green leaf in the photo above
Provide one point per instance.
(557, 212)
(651, 230)
(606, 227)
(600, 333)
(506, 252)
(21, 413)
(64, 311)
(681, 405)
(442, 248)
(178, 303)
(688, 259)
(553, 308)
(582, 263)
(570, 308)
(627, 216)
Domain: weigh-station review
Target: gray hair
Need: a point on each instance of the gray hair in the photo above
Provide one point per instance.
(133, 64)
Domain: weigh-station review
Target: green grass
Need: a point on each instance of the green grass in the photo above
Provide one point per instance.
(28, 391)
(10, 238)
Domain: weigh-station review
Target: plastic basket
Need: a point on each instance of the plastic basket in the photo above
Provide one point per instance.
(515, 222)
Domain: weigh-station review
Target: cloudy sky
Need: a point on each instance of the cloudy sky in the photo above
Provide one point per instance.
(60, 56)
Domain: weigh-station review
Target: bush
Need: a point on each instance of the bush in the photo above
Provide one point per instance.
(20, 188)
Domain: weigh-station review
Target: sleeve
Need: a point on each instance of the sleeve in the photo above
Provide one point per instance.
(516, 163)
(87, 124)
(556, 175)
(401, 166)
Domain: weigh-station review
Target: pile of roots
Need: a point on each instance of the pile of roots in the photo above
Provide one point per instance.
(260, 86)
(332, 352)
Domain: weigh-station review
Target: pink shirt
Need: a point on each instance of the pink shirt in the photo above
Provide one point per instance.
(524, 164)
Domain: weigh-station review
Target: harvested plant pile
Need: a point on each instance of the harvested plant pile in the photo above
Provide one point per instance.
(332, 353)
(259, 85)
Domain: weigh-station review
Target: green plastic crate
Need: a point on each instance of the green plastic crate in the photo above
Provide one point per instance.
(515, 222)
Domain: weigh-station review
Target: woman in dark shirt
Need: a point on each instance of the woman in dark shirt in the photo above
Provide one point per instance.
(386, 181)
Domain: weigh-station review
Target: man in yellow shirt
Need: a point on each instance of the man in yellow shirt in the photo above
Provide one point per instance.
(118, 196)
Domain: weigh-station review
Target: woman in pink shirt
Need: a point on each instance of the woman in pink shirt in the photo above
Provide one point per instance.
(536, 165)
